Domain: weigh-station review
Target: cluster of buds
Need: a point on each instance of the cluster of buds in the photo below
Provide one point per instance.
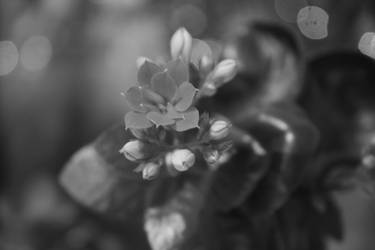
(168, 128)
(153, 148)
(212, 74)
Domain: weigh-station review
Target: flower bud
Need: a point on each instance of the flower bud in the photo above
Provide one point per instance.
(205, 64)
(224, 72)
(150, 170)
(181, 43)
(208, 89)
(211, 156)
(182, 159)
(219, 130)
(134, 150)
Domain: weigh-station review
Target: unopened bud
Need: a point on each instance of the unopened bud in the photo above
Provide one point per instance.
(150, 170)
(181, 43)
(134, 150)
(182, 159)
(211, 156)
(224, 72)
(219, 130)
(141, 60)
(208, 89)
(205, 64)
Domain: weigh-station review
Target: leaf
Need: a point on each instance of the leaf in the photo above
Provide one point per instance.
(178, 70)
(134, 98)
(160, 119)
(185, 96)
(152, 98)
(146, 72)
(87, 179)
(235, 180)
(163, 84)
(137, 120)
(194, 75)
(200, 48)
(191, 119)
(338, 96)
(286, 129)
(172, 113)
(99, 177)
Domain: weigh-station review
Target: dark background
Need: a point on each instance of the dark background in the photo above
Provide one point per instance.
(74, 60)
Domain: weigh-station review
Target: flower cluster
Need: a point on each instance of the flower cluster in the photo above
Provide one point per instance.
(163, 111)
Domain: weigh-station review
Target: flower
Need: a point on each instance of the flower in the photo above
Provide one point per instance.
(150, 170)
(223, 72)
(182, 159)
(135, 150)
(181, 43)
(219, 130)
(164, 230)
(164, 98)
(211, 156)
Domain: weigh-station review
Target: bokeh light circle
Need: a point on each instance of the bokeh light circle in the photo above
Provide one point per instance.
(8, 57)
(36, 53)
(312, 21)
(366, 44)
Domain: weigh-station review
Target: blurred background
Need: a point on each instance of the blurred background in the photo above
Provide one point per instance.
(63, 65)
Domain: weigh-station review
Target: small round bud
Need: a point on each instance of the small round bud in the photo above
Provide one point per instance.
(224, 72)
(134, 150)
(219, 130)
(150, 170)
(182, 159)
(181, 43)
(211, 156)
(205, 64)
(208, 89)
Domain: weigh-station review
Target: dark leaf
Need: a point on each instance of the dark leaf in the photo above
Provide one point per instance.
(134, 98)
(147, 70)
(137, 120)
(163, 84)
(160, 119)
(185, 96)
(179, 71)
(190, 120)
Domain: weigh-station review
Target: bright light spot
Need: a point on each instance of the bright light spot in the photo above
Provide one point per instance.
(191, 17)
(313, 22)
(288, 9)
(164, 230)
(35, 53)
(367, 44)
(8, 57)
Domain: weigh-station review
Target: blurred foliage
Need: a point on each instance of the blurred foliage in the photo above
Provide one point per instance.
(47, 114)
